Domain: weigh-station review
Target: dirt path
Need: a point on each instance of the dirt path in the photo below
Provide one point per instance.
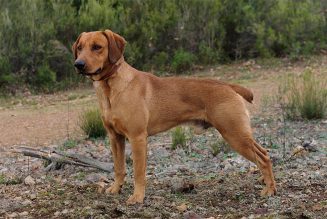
(44, 120)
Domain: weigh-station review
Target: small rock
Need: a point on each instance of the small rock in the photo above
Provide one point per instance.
(33, 196)
(87, 208)
(182, 207)
(12, 215)
(101, 187)
(22, 214)
(3, 170)
(176, 183)
(57, 213)
(310, 146)
(179, 185)
(18, 198)
(65, 211)
(26, 202)
(299, 151)
(95, 177)
(29, 181)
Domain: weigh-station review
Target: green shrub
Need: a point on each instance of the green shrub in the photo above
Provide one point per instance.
(34, 32)
(91, 124)
(160, 61)
(218, 146)
(45, 78)
(6, 76)
(182, 61)
(207, 54)
(68, 144)
(304, 97)
(178, 138)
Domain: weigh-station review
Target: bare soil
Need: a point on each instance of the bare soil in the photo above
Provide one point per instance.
(190, 182)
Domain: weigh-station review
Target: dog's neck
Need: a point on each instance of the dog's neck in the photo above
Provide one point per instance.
(107, 71)
(117, 82)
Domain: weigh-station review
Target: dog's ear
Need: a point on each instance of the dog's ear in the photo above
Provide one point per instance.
(116, 44)
(74, 47)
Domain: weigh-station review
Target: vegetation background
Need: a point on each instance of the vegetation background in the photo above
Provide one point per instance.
(164, 36)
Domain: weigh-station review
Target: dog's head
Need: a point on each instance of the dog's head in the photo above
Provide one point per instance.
(94, 51)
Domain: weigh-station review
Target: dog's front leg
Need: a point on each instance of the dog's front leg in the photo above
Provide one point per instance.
(117, 143)
(139, 152)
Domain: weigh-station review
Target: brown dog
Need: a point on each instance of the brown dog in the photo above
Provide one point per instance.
(135, 105)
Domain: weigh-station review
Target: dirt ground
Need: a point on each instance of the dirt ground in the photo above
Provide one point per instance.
(191, 182)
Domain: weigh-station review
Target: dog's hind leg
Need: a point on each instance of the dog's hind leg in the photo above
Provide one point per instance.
(234, 125)
(251, 150)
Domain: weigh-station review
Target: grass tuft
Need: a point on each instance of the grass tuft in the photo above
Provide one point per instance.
(178, 138)
(7, 181)
(91, 123)
(304, 97)
(220, 145)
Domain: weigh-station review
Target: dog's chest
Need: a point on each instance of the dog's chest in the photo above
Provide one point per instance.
(102, 92)
(109, 117)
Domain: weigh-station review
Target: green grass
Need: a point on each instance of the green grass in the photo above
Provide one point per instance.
(80, 176)
(220, 145)
(304, 96)
(68, 144)
(6, 181)
(178, 138)
(91, 124)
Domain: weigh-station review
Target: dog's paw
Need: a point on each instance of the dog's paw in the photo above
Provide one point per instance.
(114, 188)
(268, 191)
(135, 198)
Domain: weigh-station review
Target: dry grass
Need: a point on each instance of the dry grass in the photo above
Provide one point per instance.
(304, 96)
(91, 124)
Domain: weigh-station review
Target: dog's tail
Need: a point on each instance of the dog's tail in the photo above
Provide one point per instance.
(244, 92)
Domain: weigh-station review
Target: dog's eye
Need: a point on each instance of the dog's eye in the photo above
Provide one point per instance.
(79, 48)
(96, 47)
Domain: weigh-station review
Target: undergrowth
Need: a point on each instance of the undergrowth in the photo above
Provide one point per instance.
(304, 96)
(91, 123)
(178, 138)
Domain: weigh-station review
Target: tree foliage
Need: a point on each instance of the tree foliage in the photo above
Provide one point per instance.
(36, 35)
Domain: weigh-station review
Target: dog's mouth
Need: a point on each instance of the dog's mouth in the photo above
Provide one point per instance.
(98, 71)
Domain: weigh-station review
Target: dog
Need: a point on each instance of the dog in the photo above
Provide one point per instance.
(136, 104)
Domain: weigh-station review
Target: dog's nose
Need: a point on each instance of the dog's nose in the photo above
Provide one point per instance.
(79, 64)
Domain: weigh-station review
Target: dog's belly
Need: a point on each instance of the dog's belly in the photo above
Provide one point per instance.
(166, 119)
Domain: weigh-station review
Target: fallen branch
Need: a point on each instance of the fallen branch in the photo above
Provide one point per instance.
(58, 158)
(87, 161)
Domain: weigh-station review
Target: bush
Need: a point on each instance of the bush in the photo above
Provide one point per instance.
(5, 71)
(45, 78)
(207, 54)
(178, 138)
(182, 61)
(172, 33)
(91, 124)
(160, 61)
(304, 97)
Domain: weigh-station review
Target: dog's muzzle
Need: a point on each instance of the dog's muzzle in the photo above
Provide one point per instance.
(82, 72)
